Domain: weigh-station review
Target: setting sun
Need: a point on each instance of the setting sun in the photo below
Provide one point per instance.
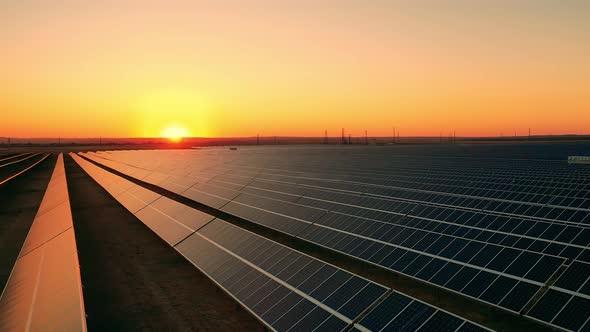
(175, 134)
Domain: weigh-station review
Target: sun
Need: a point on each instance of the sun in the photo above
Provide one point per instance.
(175, 134)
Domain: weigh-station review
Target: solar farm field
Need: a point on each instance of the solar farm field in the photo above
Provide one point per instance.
(307, 238)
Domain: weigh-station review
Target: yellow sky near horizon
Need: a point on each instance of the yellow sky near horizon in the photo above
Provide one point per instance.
(294, 68)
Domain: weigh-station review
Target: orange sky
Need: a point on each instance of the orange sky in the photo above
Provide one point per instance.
(238, 68)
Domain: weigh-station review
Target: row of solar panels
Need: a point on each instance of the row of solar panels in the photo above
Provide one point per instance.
(347, 195)
(560, 205)
(535, 172)
(375, 164)
(26, 162)
(421, 174)
(7, 161)
(431, 179)
(544, 237)
(503, 276)
(405, 197)
(525, 188)
(287, 290)
(44, 290)
(445, 161)
(387, 167)
(568, 242)
(517, 153)
(557, 239)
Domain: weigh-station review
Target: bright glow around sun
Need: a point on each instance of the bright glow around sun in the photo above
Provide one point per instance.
(175, 134)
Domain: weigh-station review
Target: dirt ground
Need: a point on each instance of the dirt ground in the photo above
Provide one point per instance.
(132, 279)
(19, 201)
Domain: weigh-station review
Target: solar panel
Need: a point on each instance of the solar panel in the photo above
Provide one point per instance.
(499, 230)
(284, 288)
(324, 285)
(44, 290)
(398, 312)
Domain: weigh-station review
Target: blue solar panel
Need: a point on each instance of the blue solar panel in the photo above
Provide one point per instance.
(493, 229)
(398, 312)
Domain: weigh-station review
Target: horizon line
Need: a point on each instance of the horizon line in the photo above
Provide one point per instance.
(277, 136)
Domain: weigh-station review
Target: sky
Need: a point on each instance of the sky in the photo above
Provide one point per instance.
(294, 68)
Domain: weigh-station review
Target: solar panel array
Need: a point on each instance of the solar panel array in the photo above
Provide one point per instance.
(44, 290)
(504, 231)
(284, 288)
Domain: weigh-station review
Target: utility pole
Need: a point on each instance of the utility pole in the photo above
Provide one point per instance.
(258, 139)
(326, 137)
(393, 136)
(343, 138)
(366, 138)
(349, 139)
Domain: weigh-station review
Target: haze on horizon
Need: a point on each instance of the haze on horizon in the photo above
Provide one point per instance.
(293, 68)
